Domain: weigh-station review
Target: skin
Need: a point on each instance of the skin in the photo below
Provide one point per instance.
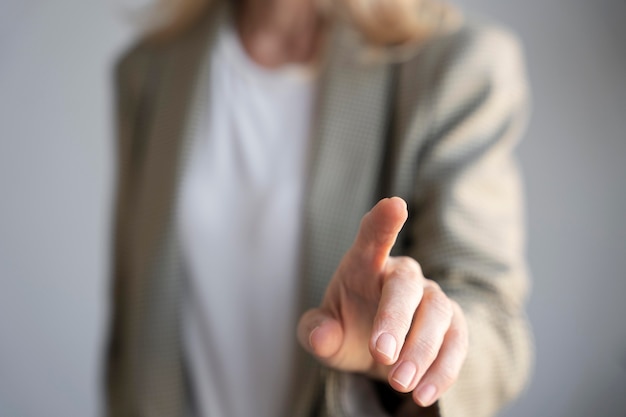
(279, 32)
(380, 316)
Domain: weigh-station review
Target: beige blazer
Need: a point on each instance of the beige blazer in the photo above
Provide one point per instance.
(437, 128)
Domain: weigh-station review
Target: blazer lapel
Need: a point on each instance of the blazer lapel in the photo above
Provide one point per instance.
(348, 152)
(175, 78)
(155, 245)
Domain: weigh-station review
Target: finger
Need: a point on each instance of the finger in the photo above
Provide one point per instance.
(424, 340)
(320, 334)
(325, 338)
(445, 369)
(377, 234)
(401, 293)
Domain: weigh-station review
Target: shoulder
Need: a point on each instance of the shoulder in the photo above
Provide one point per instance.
(478, 51)
(477, 63)
(475, 37)
(132, 67)
(154, 52)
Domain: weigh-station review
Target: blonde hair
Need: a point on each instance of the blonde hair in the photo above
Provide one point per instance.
(380, 22)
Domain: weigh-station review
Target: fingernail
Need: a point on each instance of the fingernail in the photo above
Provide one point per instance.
(311, 336)
(426, 394)
(404, 374)
(386, 344)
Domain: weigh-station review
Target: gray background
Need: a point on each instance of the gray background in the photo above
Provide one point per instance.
(56, 178)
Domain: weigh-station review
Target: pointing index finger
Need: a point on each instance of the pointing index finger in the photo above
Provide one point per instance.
(378, 232)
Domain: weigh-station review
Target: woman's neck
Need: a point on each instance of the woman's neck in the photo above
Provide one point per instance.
(278, 32)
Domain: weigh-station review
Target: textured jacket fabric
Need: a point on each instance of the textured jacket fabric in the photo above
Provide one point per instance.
(437, 129)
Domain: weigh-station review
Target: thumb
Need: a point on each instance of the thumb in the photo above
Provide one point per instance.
(319, 333)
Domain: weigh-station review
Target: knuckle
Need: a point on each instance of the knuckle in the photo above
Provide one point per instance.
(460, 346)
(434, 285)
(406, 269)
(380, 236)
(439, 302)
(447, 374)
(373, 233)
(458, 331)
(395, 319)
(459, 340)
(427, 348)
(410, 265)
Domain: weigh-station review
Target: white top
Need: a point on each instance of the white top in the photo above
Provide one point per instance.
(239, 221)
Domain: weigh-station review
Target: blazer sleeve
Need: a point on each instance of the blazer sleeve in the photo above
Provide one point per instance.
(467, 225)
(461, 107)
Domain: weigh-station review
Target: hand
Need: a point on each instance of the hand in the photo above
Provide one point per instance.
(381, 317)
